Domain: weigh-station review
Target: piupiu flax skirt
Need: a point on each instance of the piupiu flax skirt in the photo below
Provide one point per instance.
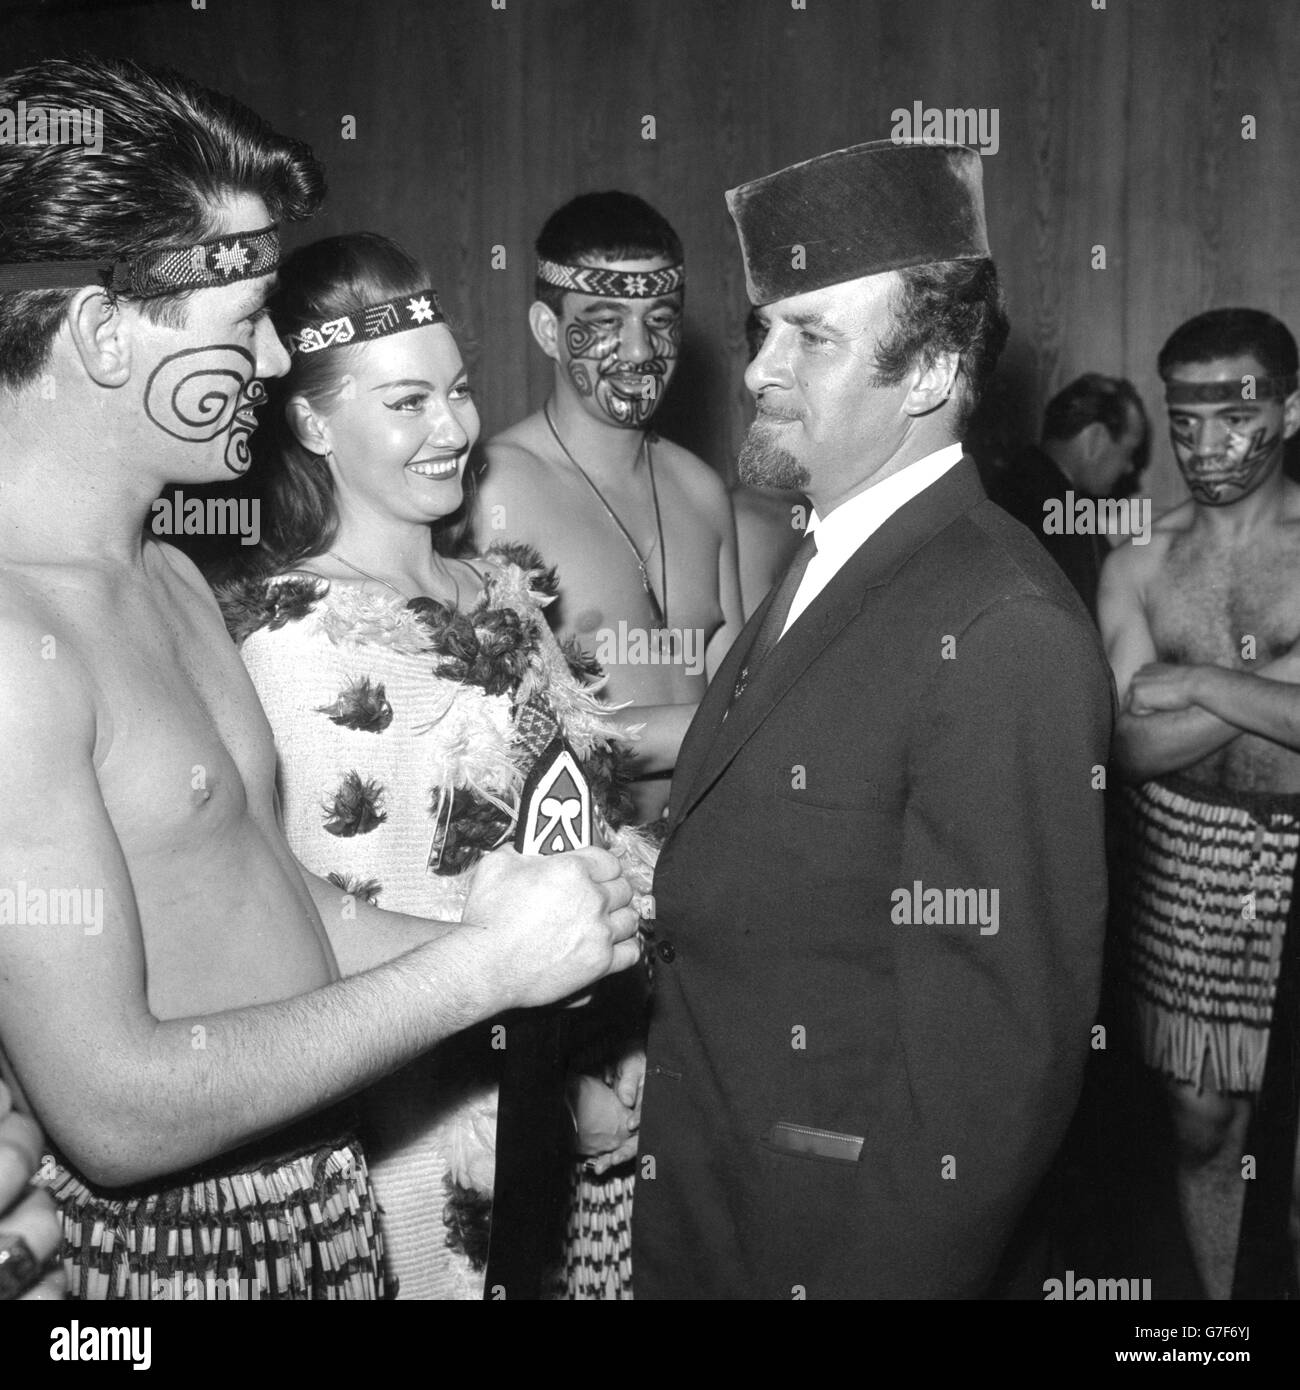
(298, 1227)
(1203, 891)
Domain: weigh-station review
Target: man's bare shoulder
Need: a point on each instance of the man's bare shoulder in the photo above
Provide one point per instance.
(25, 607)
(1136, 556)
(44, 679)
(513, 464)
(1173, 522)
(519, 446)
(705, 488)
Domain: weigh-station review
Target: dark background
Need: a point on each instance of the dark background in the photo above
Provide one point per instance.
(1120, 127)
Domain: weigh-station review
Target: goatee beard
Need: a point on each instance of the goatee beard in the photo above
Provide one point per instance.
(763, 464)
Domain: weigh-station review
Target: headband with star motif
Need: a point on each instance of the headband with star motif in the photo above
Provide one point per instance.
(1266, 388)
(221, 260)
(612, 284)
(374, 321)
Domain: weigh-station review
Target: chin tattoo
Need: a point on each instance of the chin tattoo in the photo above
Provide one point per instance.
(198, 395)
(626, 394)
(1237, 470)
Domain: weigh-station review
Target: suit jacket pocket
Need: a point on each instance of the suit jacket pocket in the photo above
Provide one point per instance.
(787, 1137)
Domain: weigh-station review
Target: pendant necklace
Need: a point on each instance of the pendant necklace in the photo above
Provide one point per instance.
(660, 610)
(366, 574)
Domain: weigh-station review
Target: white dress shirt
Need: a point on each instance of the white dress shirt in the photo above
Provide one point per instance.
(842, 531)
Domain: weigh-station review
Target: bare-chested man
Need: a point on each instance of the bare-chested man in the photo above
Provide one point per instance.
(640, 530)
(172, 1006)
(1201, 626)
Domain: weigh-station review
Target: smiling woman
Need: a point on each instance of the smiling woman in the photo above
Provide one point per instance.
(411, 692)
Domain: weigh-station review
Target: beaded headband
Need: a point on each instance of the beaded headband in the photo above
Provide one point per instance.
(612, 284)
(219, 261)
(1267, 388)
(375, 321)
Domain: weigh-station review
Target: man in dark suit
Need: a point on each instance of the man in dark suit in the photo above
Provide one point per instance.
(881, 899)
(1094, 446)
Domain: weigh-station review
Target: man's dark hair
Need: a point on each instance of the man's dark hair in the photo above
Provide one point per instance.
(1230, 333)
(612, 226)
(171, 151)
(948, 306)
(1093, 399)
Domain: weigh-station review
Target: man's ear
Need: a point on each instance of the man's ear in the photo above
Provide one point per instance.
(101, 335)
(309, 429)
(546, 328)
(1093, 438)
(1291, 415)
(933, 384)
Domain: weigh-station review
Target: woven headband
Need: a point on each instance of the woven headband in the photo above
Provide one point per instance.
(612, 284)
(375, 321)
(1267, 388)
(205, 265)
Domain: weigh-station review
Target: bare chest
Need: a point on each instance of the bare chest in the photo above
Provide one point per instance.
(1232, 606)
(183, 744)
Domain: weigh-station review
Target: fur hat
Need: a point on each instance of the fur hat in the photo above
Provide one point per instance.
(860, 211)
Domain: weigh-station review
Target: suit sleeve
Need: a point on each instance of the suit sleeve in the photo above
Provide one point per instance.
(994, 1016)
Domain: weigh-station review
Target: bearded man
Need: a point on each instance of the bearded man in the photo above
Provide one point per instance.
(882, 897)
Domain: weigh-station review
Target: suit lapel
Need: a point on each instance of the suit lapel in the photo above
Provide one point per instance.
(713, 709)
(715, 737)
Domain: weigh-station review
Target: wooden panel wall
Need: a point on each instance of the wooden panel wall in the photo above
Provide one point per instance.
(1119, 126)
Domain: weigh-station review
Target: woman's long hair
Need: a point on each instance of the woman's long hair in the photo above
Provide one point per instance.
(326, 280)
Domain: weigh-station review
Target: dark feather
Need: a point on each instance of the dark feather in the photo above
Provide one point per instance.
(492, 650)
(583, 666)
(361, 705)
(467, 1216)
(251, 603)
(609, 772)
(475, 826)
(541, 577)
(355, 808)
(368, 889)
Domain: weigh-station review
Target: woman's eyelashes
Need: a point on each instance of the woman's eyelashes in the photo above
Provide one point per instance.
(417, 401)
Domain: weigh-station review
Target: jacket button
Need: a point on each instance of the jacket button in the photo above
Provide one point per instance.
(667, 952)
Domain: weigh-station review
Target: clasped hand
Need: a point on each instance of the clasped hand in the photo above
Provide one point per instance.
(607, 1113)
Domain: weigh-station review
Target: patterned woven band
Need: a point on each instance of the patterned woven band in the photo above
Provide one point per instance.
(375, 321)
(1265, 388)
(219, 261)
(613, 284)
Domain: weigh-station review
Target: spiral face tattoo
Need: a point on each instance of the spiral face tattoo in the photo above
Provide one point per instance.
(202, 393)
(627, 393)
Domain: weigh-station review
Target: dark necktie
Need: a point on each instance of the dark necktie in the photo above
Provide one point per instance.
(770, 632)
